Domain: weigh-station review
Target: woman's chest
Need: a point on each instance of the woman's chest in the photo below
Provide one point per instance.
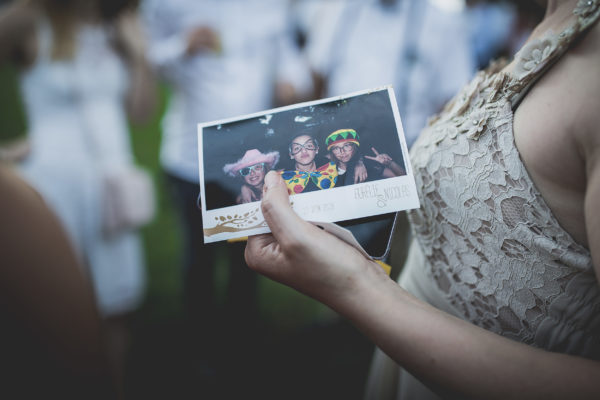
(545, 132)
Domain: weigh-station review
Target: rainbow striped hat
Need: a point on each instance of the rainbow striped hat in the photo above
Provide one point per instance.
(341, 136)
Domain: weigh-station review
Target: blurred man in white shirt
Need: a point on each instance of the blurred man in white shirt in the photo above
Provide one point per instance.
(221, 59)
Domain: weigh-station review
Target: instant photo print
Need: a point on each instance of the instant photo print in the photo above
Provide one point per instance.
(344, 160)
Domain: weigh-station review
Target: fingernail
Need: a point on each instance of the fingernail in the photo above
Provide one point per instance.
(270, 180)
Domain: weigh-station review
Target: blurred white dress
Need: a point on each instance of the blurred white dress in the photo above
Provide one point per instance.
(78, 131)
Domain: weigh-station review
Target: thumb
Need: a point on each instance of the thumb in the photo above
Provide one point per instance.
(276, 209)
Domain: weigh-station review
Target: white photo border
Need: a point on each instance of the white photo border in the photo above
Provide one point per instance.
(331, 205)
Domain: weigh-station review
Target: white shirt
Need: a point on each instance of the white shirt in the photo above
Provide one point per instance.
(257, 50)
(362, 44)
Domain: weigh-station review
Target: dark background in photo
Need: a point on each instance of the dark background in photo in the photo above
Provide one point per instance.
(370, 114)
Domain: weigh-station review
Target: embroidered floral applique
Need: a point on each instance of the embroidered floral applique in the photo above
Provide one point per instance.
(588, 12)
(480, 101)
(585, 8)
(534, 54)
(474, 123)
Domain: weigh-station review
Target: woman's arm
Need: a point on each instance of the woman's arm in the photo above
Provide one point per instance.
(45, 296)
(360, 171)
(391, 168)
(246, 195)
(171, 42)
(448, 354)
(17, 33)
(586, 129)
(142, 96)
(591, 146)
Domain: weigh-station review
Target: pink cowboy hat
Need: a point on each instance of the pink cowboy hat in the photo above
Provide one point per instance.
(252, 157)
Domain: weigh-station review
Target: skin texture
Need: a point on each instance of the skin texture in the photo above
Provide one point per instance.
(559, 144)
(253, 186)
(47, 303)
(255, 178)
(202, 38)
(391, 168)
(305, 159)
(343, 158)
(247, 195)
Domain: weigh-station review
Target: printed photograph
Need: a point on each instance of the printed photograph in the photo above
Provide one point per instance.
(321, 150)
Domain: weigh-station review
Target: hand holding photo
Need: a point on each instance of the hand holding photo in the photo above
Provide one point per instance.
(328, 152)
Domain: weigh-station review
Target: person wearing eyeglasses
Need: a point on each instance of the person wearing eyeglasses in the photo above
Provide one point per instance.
(306, 177)
(343, 147)
(251, 169)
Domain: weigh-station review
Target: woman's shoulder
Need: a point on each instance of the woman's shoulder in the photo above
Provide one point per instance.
(556, 131)
(584, 66)
(328, 166)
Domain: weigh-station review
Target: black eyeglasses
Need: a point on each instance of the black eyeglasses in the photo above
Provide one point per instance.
(256, 168)
(338, 149)
(296, 148)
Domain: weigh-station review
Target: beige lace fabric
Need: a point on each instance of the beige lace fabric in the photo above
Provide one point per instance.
(495, 253)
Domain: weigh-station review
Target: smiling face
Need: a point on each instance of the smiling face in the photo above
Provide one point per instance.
(256, 175)
(303, 150)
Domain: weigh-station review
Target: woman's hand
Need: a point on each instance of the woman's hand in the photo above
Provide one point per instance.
(15, 151)
(301, 255)
(360, 172)
(382, 158)
(202, 38)
(142, 92)
(391, 168)
(130, 36)
(448, 353)
(18, 38)
(247, 195)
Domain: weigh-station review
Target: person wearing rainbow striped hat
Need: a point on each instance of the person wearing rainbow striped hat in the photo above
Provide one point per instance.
(343, 147)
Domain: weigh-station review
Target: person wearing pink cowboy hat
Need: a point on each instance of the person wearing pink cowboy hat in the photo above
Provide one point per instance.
(252, 168)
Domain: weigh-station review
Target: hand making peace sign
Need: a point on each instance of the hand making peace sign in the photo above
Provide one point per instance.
(380, 158)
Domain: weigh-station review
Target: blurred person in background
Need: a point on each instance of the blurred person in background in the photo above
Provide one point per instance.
(82, 68)
(500, 27)
(221, 59)
(420, 48)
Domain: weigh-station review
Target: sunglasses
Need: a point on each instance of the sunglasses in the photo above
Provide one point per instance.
(256, 168)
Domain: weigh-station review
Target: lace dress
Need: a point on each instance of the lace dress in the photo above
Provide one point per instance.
(487, 247)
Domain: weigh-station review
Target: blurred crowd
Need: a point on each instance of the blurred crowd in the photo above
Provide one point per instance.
(85, 70)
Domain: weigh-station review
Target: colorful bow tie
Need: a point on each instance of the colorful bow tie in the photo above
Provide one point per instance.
(324, 177)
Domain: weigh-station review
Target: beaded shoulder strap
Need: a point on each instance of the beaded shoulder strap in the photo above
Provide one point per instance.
(537, 56)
